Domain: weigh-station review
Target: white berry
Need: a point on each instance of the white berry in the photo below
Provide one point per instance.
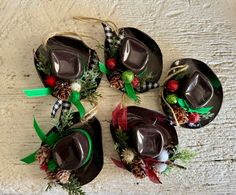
(164, 156)
(76, 87)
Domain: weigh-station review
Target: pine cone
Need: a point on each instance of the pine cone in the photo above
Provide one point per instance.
(63, 176)
(62, 90)
(43, 155)
(181, 115)
(51, 176)
(116, 81)
(137, 168)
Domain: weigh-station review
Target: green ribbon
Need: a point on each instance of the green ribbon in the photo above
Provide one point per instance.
(75, 99)
(130, 91)
(30, 158)
(39, 131)
(38, 92)
(184, 104)
(90, 144)
(103, 68)
(50, 140)
(52, 165)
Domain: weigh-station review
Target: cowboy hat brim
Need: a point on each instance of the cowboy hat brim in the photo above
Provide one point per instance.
(88, 59)
(92, 168)
(150, 117)
(153, 63)
(216, 98)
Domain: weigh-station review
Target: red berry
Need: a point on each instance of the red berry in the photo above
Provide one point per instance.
(111, 63)
(172, 85)
(193, 117)
(44, 167)
(135, 82)
(50, 81)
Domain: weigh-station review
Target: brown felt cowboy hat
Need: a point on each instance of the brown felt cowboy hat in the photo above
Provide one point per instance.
(133, 57)
(192, 94)
(71, 150)
(142, 136)
(68, 69)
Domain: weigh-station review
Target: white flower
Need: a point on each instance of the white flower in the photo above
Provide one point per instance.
(76, 87)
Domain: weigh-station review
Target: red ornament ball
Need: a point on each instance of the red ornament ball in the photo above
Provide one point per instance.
(172, 85)
(44, 167)
(193, 117)
(135, 82)
(50, 81)
(111, 63)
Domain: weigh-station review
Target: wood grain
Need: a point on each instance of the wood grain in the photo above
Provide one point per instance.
(199, 29)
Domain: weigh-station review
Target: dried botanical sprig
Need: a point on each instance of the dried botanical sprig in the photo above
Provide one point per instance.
(122, 138)
(43, 63)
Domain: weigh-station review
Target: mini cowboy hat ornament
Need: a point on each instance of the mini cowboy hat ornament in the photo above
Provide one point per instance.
(145, 142)
(71, 152)
(192, 94)
(69, 71)
(133, 60)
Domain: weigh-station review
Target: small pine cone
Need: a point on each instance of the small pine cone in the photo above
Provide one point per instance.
(63, 176)
(116, 81)
(43, 155)
(51, 176)
(62, 90)
(137, 168)
(181, 115)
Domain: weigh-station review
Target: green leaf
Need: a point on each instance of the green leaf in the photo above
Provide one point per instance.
(184, 155)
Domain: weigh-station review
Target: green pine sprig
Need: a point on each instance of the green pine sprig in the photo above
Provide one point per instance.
(122, 138)
(43, 64)
(73, 187)
(89, 84)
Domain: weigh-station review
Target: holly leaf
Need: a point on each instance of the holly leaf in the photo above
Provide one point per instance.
(118, 163)
(152, 175)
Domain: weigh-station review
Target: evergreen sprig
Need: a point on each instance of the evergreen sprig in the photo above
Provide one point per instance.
(88, 84)
(122, 138)
(73, 187)
(43, 64)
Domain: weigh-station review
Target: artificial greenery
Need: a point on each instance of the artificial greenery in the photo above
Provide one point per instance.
(184, 155)
(112, 50)
(207, 116)
(122, 139)
(64, 122)
(73, 187)
(89, 83)
(43, 64)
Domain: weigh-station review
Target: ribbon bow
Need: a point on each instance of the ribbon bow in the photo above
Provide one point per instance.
(66, 105)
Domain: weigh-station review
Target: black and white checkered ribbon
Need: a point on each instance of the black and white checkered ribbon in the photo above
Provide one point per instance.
(147, 85)
(93, 61)
(109, 33)
(65, 106)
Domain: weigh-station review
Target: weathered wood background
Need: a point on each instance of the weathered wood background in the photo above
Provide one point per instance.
(185, 28)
